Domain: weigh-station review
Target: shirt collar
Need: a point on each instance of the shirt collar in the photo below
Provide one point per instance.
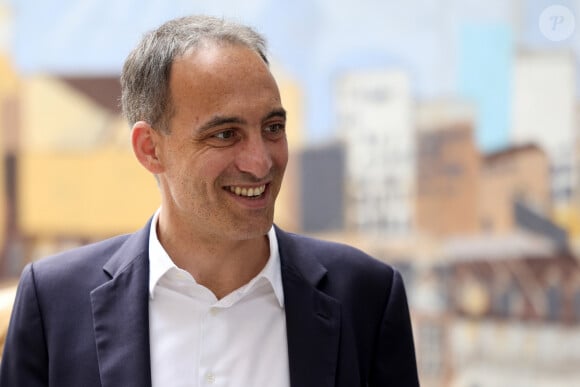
(160, 263)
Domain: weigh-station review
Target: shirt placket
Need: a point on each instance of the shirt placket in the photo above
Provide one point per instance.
(210, 373)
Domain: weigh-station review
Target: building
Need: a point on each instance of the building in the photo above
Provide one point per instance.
(544, 113)
(375, 121)
(9, 120)
(518, 174)
(322, 177)
(448, 170)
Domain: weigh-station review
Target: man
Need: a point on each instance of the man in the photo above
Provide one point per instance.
(209, 292)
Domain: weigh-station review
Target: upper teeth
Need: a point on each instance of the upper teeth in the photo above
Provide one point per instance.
(248, 191)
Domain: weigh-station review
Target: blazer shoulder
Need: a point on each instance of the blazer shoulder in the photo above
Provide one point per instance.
(76, 265)
(89, 254)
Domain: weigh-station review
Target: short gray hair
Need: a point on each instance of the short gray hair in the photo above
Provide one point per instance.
(145, 94)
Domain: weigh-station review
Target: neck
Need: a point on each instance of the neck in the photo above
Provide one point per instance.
(219, 264)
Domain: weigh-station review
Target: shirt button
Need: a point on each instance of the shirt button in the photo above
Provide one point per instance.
(210, 378)
(214, 311)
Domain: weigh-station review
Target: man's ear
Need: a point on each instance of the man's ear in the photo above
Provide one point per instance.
(145, 141)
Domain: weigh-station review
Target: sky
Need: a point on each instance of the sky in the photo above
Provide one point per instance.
(435, 41)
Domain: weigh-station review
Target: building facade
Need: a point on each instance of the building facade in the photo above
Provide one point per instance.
(375, 121)
(448, 170)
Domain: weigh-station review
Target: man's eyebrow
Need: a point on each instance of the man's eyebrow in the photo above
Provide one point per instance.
(280, 113)
(220, 120)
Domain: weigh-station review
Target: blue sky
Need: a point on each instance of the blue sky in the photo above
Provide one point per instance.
(314, 40)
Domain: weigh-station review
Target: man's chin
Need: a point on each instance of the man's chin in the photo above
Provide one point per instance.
(252, 231)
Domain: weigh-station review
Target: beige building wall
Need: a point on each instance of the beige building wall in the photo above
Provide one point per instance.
(57, 118)
(77, 178)
(8, 90)
(91, 194)
(520, 173)
(292, 97)
(288, 203)
(4, 80)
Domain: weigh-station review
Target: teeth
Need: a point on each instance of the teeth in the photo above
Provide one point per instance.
(248, 192)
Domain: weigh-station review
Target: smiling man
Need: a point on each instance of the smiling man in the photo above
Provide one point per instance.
(209, 292)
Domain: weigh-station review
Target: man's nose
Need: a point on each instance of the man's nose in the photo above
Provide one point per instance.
(255, 157)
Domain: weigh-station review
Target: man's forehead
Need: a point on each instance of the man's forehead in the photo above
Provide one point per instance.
(211, 51)
(227, 66)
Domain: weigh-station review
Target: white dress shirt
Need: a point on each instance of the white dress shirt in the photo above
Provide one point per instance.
(198, 340)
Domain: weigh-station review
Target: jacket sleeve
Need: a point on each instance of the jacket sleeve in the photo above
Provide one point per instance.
(25, 358)
(394, 363)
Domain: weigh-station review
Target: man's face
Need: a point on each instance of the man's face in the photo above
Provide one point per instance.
(225, 156)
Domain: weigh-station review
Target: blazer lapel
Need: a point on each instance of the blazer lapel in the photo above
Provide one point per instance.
(121, 316)
(312, 318)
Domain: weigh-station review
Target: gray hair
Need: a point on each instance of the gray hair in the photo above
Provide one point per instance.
(145, 94)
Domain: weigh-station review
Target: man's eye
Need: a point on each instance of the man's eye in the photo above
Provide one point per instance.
(275, 128)
(225, 135)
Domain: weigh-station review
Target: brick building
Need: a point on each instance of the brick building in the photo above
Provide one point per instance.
(448, 165)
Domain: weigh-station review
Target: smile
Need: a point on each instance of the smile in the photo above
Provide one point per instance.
(247, 192)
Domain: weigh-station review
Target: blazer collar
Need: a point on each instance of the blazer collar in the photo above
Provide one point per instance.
(135, 246)
(121, 316)
(312, 317)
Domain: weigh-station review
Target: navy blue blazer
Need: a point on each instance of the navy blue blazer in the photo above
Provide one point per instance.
(81, 318)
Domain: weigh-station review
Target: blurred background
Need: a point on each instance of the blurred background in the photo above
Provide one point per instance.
(439, 136)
